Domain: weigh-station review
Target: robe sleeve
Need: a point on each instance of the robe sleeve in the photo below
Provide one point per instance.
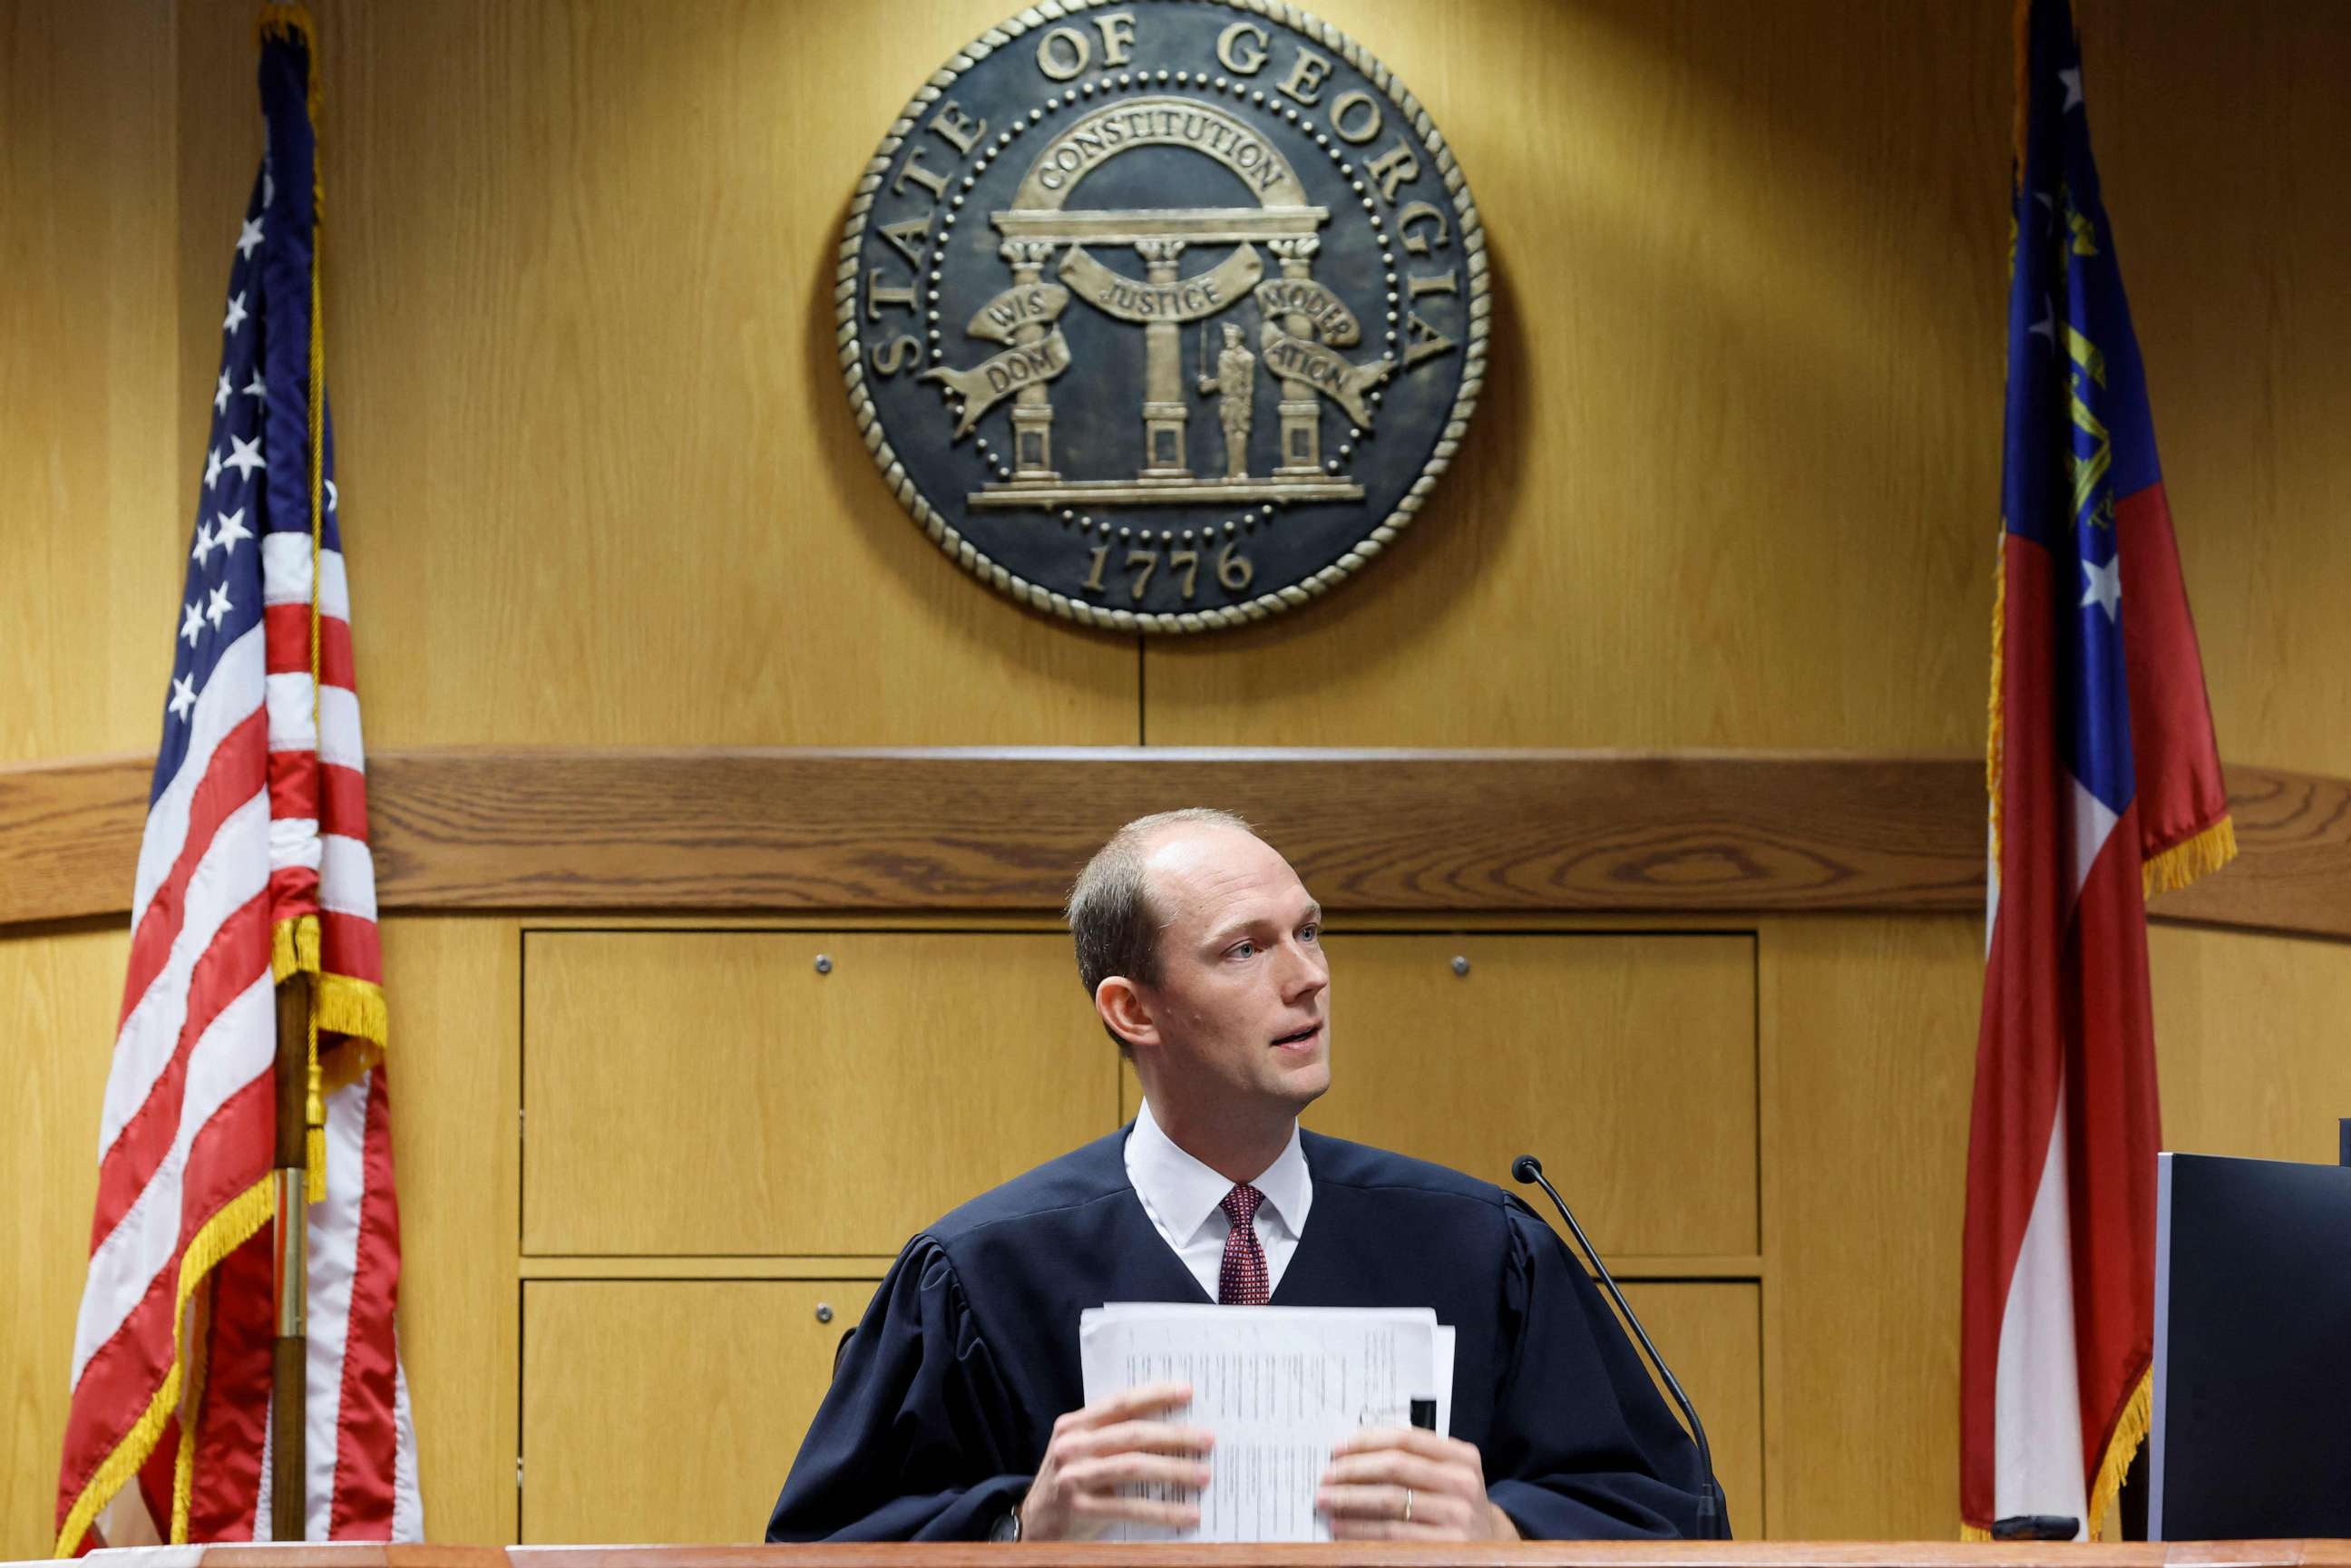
(915, 1440)
(1584, 1447)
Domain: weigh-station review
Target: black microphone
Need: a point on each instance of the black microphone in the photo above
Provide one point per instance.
(1528, 1170)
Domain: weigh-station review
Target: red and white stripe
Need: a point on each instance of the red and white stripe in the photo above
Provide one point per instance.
(360, 1458)
(187, 1125)
(265, 820)
(356, 1407)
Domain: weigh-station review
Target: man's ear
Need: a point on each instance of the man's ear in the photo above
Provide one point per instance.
(1124, 1009)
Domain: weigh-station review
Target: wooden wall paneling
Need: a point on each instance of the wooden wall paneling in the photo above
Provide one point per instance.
(600, 477)
(1711, 1334)
(455, 985)
(752, 1362)
(1007, 829)
(1627, 1063)
(1870, 1042)
(915, 832)
(92, 556)
(670, 1410)
(1715, 260)
(699, 1092)
(59, 1002)
(2251, 1043)
(2289, 1552)
(218, 141)
(2216, 138)
(1772, 1130)
(92, 533)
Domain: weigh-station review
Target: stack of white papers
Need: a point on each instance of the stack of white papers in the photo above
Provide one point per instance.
(1279, 1386)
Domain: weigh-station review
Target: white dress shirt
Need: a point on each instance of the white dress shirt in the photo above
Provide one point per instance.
(1184, 1199)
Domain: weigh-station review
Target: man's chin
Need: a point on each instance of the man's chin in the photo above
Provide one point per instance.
(1307, 1080)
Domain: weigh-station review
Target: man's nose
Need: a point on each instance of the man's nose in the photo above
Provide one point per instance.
(1305, 971)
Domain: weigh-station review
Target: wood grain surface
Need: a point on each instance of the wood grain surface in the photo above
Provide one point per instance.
(58, 996)
(1711, 1334)
(1732, 485)
(729, 1372)
(96, 507)
(599, 478)
(2231, 237)
(1471, 1069)
(1719, 401)
(824, 1114)
(911, 831)
(2289, 1554)
(454, 1067)
(1868, 1044)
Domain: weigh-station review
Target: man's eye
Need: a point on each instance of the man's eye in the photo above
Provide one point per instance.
(1241, 950)
(1309, 932)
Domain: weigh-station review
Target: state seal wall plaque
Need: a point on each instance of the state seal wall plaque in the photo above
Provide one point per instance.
(1163, 316)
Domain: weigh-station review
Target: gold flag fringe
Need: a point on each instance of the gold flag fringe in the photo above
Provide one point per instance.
(2131, 1431)
(290, 20)
(294, 947)
(355, 1007)
(192, 1409)
(2131, 1427)
(314, 1120)
(238, 1222)
(2198, 855)
(1995, 729)
(340, 1004)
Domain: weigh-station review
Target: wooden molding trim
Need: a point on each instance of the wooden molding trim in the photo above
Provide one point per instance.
(2290, 1553)
(923, 832)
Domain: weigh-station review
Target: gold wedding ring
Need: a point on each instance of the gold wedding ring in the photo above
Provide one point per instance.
(1407, 1505)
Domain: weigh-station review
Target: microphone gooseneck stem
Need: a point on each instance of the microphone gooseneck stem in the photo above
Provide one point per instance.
(1528, 1170)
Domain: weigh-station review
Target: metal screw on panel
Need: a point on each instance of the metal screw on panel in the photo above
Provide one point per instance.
(823, 964)
(824, 1312)
(1460, 964)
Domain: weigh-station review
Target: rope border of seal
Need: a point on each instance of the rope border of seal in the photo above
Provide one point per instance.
(1471, 237)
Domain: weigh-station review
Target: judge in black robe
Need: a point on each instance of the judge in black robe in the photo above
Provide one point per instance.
(947, 1394)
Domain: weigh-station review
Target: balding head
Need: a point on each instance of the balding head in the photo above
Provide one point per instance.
(1113, 922)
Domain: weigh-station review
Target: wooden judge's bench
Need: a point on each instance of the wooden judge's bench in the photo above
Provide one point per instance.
(1528, 1555)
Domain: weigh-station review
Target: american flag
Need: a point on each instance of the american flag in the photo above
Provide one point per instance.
(2105, 788)
(254, 863)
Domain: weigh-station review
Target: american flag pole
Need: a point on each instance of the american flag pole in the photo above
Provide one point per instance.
(290, 1358)
(300, 1108)
(236, 1370)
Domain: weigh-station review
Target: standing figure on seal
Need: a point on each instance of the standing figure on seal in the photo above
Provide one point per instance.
(1235, 383)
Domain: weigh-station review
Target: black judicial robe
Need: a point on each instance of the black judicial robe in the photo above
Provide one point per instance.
(942, 1407)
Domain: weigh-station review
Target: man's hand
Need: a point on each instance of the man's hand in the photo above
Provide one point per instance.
(1110, 1444)
(1404, 1484)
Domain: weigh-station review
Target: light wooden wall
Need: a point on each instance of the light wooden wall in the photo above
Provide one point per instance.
(91, 542)
(592, 430)
(1733, 482)
(1750, 262)
(722, 1145)
(1861, 1018)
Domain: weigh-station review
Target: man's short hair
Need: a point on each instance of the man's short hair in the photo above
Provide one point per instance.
(1113, 923)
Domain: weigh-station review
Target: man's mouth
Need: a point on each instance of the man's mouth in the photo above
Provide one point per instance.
(1303, 1037)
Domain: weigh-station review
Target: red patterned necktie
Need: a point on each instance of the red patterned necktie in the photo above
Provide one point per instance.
(1241, 1281)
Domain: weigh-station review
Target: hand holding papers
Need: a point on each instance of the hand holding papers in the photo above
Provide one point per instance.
(1277, 1388)
(1089, 1480)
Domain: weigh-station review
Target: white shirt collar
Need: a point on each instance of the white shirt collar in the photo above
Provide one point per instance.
(1182, 1193)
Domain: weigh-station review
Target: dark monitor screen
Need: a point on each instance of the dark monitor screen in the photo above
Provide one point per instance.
(2252, 1433)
